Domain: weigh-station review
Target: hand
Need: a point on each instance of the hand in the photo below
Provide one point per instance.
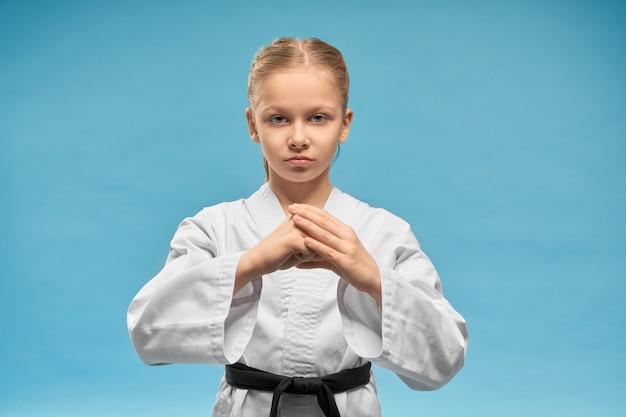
(338, 248)
(281, 249)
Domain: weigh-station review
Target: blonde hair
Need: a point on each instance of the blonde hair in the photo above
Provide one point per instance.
(291, 53)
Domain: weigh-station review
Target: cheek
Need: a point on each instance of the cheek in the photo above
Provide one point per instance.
(269, 150)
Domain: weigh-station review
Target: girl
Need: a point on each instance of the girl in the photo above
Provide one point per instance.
(300, 286)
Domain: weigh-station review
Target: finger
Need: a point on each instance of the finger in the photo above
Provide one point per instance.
(323, 264)
(303, 254)
(300, 257)
(324, 251)
(317, 232)
(311, 212)
(318, 216)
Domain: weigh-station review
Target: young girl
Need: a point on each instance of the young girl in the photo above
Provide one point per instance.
(300, 286)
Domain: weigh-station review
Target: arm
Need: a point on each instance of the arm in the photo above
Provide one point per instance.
(201, 308)
(389, 295)
(416, 334)
(187, 312)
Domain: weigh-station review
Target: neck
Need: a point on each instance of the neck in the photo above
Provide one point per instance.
(314, 192)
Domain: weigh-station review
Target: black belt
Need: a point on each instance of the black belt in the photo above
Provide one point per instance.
(242, 376)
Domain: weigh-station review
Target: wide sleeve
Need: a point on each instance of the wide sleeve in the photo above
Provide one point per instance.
(416, 333)
(187, 312)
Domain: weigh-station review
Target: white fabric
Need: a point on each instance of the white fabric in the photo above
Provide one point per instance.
(297, 322)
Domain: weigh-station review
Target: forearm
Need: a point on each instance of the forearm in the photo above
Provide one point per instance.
(180, 315)
(415, 334)
(374, 290)
(248, 270)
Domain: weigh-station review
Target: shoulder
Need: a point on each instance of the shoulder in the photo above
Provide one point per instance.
(216, 214)
(218, 219)
(224, 213)
(228, 225)
(204, 228)
(360, 213)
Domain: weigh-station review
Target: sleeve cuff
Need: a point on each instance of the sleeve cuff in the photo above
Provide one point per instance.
(241, 318)
(362, 319)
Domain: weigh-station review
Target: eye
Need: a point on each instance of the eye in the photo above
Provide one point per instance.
(318, 118)
(279, 120)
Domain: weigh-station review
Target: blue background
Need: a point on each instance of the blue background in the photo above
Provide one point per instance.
(497, 129)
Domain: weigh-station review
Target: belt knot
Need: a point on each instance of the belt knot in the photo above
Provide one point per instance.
(302, 385)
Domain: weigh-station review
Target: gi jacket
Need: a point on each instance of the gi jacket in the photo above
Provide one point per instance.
(297, 322)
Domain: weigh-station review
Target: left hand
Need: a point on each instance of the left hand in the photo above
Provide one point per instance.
(338, 247)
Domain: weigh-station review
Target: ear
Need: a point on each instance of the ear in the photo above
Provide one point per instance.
(251, 126)
(345, 125)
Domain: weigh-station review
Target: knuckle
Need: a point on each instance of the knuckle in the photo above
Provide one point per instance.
(331, 255)
(347, 229)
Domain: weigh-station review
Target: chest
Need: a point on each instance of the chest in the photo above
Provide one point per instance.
(298, 326)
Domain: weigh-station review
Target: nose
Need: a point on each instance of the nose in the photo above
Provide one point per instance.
(298, 145)
(299, 138)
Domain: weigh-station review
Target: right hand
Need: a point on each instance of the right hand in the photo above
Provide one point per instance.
(281, 249)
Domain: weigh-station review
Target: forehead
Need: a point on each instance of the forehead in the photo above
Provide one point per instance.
(299, 87)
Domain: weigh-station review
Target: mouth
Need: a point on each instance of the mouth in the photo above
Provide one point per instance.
(299, 161)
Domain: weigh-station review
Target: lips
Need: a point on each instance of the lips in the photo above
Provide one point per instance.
(299, 161)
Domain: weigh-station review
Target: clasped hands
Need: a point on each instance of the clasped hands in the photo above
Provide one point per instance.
(308, 238)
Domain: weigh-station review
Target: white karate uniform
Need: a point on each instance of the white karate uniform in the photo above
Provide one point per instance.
(297, 322)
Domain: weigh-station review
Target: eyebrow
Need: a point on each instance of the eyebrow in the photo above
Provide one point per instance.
(282, 110)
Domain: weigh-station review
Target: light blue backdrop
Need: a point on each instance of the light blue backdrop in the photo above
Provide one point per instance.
(497, 129)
